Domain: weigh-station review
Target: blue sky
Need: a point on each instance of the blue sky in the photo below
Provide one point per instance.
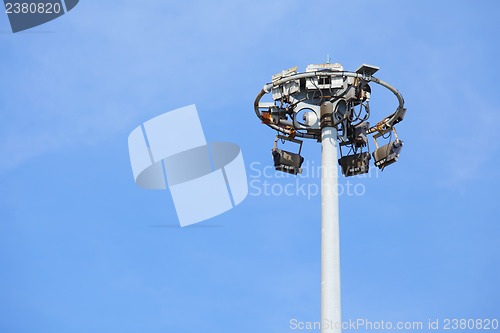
(83, 249)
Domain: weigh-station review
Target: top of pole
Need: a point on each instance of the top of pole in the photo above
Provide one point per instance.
(296, 109)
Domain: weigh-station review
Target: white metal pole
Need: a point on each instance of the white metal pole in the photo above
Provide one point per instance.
(330, 249)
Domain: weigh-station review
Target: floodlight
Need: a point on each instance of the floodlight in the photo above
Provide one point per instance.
(367, 69)
(357, 134)
(401, 116)
(287, 161)
(388, 154)
(356, 164)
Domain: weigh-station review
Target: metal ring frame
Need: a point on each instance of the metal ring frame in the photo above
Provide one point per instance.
(382, 126)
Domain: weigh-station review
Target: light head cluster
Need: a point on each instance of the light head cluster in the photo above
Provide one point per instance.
(299, 101)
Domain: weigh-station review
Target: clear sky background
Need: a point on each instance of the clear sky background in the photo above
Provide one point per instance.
(83, 249)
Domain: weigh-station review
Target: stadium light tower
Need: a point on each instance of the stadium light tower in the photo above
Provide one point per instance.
(329, 105)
